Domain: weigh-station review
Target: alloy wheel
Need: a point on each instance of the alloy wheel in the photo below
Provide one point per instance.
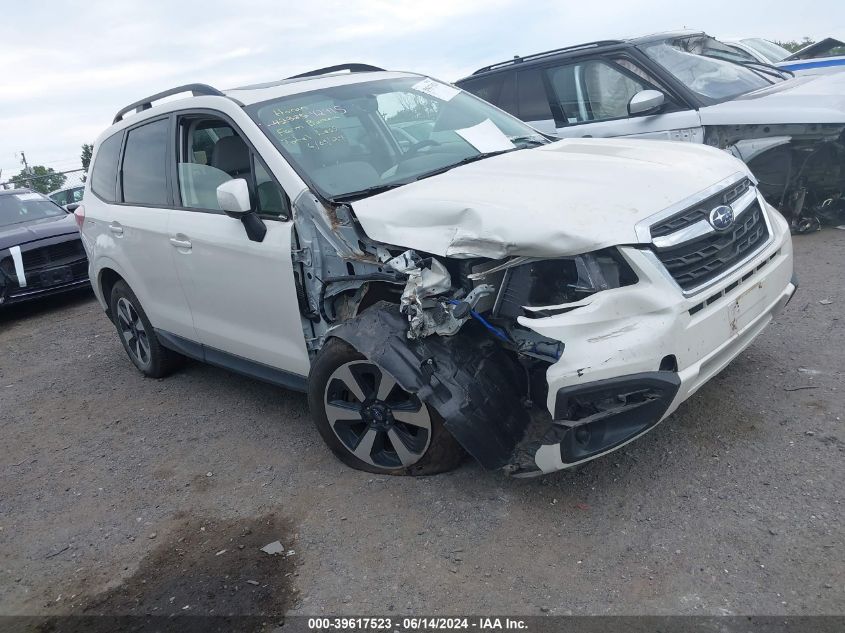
(133, 332)
(374, 418)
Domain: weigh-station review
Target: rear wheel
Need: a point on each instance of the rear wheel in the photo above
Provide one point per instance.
(370, 422)
(137, 334)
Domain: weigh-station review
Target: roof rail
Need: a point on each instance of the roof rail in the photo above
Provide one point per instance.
(518, 60)
(353, 68)
(146, 104)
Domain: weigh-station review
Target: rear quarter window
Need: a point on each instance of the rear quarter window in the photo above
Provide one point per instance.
(104, 170)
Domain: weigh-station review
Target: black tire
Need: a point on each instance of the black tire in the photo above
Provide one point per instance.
(434, 449)
(152, 359)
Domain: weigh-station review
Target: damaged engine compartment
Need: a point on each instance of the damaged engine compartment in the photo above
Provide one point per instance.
(447, 328)
(800, 167)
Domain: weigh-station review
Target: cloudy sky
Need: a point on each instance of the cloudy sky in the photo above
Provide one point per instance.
(67, 67)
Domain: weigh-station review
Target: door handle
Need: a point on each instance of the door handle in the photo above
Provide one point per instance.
(180, 243)
(115, 228)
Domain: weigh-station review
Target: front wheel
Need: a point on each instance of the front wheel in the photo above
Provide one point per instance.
(370, 422)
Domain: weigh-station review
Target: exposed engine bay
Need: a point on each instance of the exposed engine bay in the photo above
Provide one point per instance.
(800, 168)
(447, 328)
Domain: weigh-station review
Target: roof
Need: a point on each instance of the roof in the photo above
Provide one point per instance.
(667, 35)
(577, 48)
(10, 192)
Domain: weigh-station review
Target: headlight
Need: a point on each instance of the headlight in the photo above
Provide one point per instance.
(553, 282)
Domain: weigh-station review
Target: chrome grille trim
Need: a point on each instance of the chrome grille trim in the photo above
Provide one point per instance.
(643, 227)
(688, 292)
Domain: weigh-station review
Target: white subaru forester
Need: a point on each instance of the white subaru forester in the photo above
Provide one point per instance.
(437, 275)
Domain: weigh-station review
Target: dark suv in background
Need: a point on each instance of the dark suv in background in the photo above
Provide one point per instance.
(41, 252)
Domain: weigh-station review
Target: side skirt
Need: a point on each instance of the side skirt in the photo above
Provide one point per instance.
(234, 363)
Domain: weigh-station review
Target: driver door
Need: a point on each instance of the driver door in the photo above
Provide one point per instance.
(589, 98)
(241, 293)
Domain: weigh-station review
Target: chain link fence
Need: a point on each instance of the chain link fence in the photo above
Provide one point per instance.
(73, 178)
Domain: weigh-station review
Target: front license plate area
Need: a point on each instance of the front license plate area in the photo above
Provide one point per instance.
(746, 307)
(56, 276)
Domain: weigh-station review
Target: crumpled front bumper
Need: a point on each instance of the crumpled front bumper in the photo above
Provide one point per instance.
(652, 330)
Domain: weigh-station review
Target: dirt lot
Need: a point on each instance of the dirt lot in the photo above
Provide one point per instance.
(123, 494)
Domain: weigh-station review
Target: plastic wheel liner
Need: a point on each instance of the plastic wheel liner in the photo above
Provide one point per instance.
(468, 379)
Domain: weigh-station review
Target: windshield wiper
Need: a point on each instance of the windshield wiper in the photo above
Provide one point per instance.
(769, 69)
(531, 139)
(363, 193)
(464, 161)
(761, 68)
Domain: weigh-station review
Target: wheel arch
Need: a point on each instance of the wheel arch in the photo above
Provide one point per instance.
(467, 379)
(106, 279)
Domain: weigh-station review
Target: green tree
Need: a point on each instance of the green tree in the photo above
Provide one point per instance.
(40, 178)
(85, 157)
(794, 46)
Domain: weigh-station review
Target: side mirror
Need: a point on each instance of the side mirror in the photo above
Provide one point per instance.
(646, 102)
(73, 206)
(233, 198)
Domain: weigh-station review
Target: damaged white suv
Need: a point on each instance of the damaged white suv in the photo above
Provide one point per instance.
(437, 275)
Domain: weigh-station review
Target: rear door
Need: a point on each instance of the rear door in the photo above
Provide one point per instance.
(127, 216)
(242, 293)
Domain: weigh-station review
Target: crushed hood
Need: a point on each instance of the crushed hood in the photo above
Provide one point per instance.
(804, 99)
(566, 198)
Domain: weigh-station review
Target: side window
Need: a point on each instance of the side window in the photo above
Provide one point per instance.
(211, 152)
(593, 90)
(104, 170)
(145, 164)
(76, 194)
(532, 97)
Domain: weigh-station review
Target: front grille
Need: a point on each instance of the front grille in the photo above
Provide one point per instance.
(701, 211)
(59, 254)
(705, 258)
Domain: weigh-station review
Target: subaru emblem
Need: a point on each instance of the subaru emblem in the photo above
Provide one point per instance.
(722, 218)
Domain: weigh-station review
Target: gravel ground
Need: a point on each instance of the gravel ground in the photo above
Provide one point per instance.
(124, 494)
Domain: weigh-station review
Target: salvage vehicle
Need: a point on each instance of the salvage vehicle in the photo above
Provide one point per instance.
(758, 49)
(536, 304)
(789, 130)
(40, 249)
(827, 55)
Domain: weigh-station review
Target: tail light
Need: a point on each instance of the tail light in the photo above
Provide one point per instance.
(79, 215)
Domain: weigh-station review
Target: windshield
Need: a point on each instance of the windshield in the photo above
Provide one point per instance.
(771, 51)
(714, 79)
(352, 140)
(26, 207)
